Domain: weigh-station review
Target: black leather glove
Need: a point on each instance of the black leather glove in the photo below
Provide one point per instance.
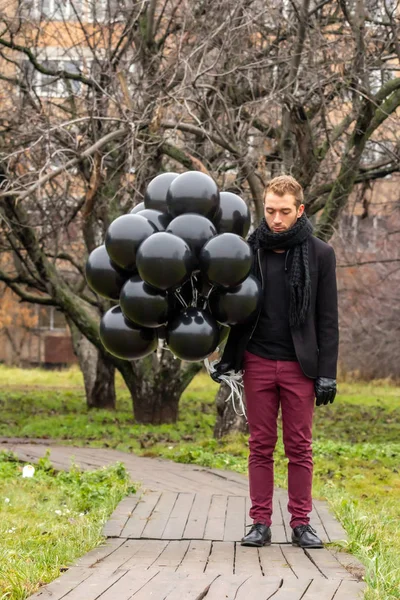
(325, 390)
(220, 369)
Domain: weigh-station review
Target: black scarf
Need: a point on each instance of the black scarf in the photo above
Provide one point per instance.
(299, 277)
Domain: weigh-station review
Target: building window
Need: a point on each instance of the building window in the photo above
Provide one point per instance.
(379, 9)
(55, 86)
(49, 318)
(378, 77)
(72, 10)
(57, 10)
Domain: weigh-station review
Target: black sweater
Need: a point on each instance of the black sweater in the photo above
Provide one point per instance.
(272, 337)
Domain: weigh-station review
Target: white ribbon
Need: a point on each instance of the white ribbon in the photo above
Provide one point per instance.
(235, 382)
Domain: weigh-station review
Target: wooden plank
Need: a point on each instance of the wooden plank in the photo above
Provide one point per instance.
(100, 553)
(122, 555)
(132, 582)
(172, 556)
(353, 566)
(333, 528)
(246, 561)
(249, 520)
(138, 519)
(62, 585)
(99, 582)
(350, 590)
(300, 563)
(147, 553)
(178, 518)
(316, 522)
(322, 589)
(160, 515)
(196, 557)
(235, 517)
(279, 512)
(232, 476)
(292, 589)
(197, 519)
(278, 530)
(326, 563)
(273, 563)
(192, 588)
(226, 587)
(154, 474)
(216, 519)
(118, 519)
(205, 481)
(160, 586)
(258, 588)
(286, 516)
(221, 558)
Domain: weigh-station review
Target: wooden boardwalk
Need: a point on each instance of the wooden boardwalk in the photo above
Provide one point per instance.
(179, 538)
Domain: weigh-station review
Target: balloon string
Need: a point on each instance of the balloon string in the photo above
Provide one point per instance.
(235, 382)
(160, 348)
(208, 296)
(181, 300)
(194, 290)
(211, 290)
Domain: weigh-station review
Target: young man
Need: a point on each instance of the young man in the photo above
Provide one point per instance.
(288, 355)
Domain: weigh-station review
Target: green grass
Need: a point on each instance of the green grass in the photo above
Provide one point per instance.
(356, 450)
(40, 377)
(51, 519)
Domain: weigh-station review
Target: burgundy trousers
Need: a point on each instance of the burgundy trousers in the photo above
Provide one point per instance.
(268, 384)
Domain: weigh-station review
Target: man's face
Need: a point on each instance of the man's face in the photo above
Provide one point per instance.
(281, 212)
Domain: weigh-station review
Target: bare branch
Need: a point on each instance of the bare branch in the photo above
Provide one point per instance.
(23, 294)
(71, 163)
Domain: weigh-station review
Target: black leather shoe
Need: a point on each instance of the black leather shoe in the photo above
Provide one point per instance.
(259, 535)
(306, 537)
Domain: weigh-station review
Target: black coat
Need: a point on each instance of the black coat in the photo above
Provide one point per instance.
(316, 341)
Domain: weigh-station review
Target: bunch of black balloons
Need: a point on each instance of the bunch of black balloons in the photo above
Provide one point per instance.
(179, 266)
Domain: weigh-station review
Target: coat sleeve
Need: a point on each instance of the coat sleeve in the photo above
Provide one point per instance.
(232, 353)
(327, 316)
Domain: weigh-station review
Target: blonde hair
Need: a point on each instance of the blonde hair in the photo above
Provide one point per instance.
(286, 184)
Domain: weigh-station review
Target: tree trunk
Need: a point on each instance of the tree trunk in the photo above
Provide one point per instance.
(98, 372)
(156, 384)
(103, 389)
(227, 420)
(159, 407)
(158, 389)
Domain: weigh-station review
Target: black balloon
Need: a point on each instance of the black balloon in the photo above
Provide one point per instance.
(155, 196)
(196, 230)
(238, 305)
(124, 237)
(144, 304)
(165, 261)
(193, 192)
(193, 334)
(137, 208)
(159, 219)
(226, 260)
(102, 276)
(124, 339)
(233, 215)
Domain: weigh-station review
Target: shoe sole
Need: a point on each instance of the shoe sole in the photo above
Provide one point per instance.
(306, 547)
(255, 545)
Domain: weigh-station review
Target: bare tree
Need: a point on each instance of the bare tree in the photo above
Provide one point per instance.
(102, 96)
(368, 256)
